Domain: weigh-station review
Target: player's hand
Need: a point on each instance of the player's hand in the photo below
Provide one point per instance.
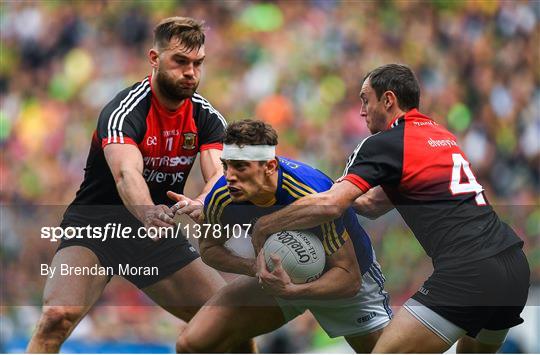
(185, 205)
(156, 217)
(276, 283)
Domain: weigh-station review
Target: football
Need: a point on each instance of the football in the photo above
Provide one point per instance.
(301, 253)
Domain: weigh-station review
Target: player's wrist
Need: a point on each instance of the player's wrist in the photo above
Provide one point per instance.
(293, 291)
(142, 212)
(198, 201)
(266, 226)
(251, 267)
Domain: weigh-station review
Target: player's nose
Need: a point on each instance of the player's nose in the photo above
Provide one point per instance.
(229, 175)
(363, 113)
(363, 110)
(189, 70)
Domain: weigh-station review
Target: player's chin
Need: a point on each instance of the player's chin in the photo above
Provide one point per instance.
(238, 196)
(185, 93)
(372, 129)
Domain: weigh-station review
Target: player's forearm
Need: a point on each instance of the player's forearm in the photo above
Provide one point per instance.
(308, 212)
(334, 284)
(364, 208)
(208, 186)
(211, 169)
(222, 259)
(372, 204)
(134, 193)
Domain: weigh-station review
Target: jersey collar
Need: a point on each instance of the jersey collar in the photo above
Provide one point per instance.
(412, 114)
(395, 121)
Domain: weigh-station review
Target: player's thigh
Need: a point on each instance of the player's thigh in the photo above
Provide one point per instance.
(359, 318)
(66, 287)
(469, 345)
(185, 291)
(406, 334)
(363, 344)
(239, 311)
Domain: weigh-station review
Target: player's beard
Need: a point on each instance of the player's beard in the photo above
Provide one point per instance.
(172, 89)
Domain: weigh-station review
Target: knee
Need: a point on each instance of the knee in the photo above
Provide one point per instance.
(188, 342)
(56, 322)
(185, 345)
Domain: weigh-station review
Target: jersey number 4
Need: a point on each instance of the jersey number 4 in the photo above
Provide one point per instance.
(457, 187)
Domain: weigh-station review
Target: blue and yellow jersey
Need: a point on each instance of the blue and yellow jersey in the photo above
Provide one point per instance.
(295, 180)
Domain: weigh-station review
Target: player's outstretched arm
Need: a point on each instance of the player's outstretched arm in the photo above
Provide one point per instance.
(215, 254)
(306, 212)
(126, 164)
(212, 170)
(373, 203)
(341, 280)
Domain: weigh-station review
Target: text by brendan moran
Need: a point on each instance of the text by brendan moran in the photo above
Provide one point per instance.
(98, 270)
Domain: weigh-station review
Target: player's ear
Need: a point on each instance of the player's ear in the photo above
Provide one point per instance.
(389, 98)
(271, 167)
(153, 57)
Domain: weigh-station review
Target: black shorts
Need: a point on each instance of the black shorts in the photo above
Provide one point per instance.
(485, 294)
(141, 261)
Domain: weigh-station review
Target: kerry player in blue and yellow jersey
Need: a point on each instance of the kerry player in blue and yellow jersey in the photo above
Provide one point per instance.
(347, 300)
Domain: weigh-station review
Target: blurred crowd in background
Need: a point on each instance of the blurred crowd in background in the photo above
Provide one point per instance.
(295, 64)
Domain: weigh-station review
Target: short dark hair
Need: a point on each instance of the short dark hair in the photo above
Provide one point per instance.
(250, 132)
(399, 79)
(189, 31)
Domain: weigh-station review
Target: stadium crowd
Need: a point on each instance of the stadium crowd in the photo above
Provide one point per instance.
(295, 64)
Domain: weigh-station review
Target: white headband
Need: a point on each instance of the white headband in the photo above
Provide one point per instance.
(248, 152)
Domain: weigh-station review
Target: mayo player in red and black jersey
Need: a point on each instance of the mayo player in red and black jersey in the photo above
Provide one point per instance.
(167, 140)
(135, 128)
(145, 144)
(481, 276)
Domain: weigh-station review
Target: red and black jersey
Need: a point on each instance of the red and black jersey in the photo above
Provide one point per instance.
(428, 178)
(169, 142)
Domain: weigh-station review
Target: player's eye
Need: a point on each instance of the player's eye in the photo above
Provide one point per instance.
(240, 167)
(198, 63)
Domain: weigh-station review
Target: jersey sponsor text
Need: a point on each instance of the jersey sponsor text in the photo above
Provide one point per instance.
(160, 177)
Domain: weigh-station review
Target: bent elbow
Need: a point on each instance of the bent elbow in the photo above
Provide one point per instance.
(121, 176)
(354, 286)
(364, 207)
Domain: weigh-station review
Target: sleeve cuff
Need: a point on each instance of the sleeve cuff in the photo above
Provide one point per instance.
(218, 146)
(126, 140)
(358, 182)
